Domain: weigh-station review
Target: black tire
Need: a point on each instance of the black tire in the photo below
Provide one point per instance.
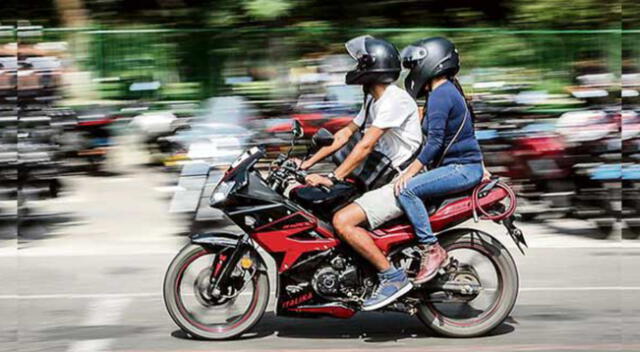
(505, 267)
(259, 300)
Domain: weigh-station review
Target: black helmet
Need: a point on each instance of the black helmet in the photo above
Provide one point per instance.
(427, 59)
(378, 61)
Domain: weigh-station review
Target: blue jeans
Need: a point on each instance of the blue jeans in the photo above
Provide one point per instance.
(435, 183)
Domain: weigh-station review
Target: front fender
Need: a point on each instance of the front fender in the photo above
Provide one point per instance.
(479, 235)
(216, 239)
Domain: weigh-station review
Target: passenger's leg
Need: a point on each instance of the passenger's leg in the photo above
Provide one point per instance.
(435, 183)
(439, 182)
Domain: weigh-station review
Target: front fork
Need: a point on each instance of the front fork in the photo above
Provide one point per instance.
(220, 275)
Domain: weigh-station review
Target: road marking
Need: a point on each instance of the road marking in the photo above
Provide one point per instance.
(104, 311)
(165, 248)
(90, 345)
(159, 294)
(83, 295)
(587, 288)
(466, 348)
(168, 189)
(79, 251)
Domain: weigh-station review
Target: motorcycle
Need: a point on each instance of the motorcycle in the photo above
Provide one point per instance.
(217, 287)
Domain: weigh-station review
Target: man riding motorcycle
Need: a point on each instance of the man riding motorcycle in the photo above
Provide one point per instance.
(391, 126)
(218, 286)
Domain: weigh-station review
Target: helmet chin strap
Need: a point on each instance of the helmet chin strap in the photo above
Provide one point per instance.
(366, 89)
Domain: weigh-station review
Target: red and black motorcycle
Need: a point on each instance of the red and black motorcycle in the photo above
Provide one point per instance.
(218, 287)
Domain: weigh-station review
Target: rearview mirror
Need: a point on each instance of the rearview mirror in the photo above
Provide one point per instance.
(322, 138)
(297, 130)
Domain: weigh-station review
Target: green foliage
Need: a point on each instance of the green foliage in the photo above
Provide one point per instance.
(563, 14)
(232, 35)
(267, 9)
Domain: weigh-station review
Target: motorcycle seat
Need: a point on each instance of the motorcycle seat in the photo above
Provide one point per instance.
(432, 205)
(435, 204)
(324, 202)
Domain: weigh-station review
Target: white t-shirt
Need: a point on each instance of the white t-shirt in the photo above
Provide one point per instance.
(396, 112)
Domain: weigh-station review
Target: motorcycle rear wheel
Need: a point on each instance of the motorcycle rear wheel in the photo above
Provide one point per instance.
(506, 270)
(232, 326)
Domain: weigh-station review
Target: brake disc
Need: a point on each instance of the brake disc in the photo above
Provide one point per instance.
(202, 288)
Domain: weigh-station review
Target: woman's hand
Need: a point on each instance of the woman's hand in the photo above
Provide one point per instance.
(318, 180)
(401, 182)
(406, 175)
(486, 175)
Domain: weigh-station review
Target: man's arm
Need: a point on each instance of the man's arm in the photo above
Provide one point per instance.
(359, 152)
(339, 140)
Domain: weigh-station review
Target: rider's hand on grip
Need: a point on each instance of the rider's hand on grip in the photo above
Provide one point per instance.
(318, 180)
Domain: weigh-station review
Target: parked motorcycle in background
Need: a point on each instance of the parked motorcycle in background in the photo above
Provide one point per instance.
(533, 157)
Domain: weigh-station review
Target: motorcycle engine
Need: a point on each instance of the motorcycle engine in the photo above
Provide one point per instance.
(336, 279)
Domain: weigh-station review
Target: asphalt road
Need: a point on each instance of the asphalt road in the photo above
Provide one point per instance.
(87, 276)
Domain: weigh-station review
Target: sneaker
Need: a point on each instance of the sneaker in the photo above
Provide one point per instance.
(389, 289)
(434, 257)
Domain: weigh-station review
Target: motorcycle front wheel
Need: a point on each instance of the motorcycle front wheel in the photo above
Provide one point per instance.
(480, 261)
(225, 312)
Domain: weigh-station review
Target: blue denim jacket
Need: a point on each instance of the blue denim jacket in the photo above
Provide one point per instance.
(445, 112)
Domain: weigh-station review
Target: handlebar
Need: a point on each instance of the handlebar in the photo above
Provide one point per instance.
(300, 175)
(287, 168)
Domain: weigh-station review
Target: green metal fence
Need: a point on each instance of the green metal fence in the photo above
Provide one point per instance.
(192, 62)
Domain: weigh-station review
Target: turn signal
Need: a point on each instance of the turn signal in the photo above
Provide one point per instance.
(246, 263)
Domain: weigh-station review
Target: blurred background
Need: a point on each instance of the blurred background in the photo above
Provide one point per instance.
(198, 81)
(117, 116)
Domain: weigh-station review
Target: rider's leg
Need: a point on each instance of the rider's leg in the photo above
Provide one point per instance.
(393, 282)
(435, 183)
(346, 222)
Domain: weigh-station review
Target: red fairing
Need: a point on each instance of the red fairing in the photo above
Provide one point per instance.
(390, 237)
(462, 210)
(279, 239)
(334, 311)
(276, 237)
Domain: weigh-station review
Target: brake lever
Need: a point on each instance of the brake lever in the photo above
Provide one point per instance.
(300, 175)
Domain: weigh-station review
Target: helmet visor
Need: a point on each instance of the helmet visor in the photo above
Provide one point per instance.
(356, 47)
(411, 56)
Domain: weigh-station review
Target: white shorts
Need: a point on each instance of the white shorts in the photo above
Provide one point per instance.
(380, 205)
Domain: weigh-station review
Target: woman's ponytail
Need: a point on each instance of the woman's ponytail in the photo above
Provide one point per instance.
(458, 86)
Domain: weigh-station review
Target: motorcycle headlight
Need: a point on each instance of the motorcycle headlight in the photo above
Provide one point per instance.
(221, 192)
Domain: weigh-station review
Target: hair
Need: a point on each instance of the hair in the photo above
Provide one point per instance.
(467, 101)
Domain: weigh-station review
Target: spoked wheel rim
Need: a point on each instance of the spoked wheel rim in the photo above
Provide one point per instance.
(228, 321)
(445, 310)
